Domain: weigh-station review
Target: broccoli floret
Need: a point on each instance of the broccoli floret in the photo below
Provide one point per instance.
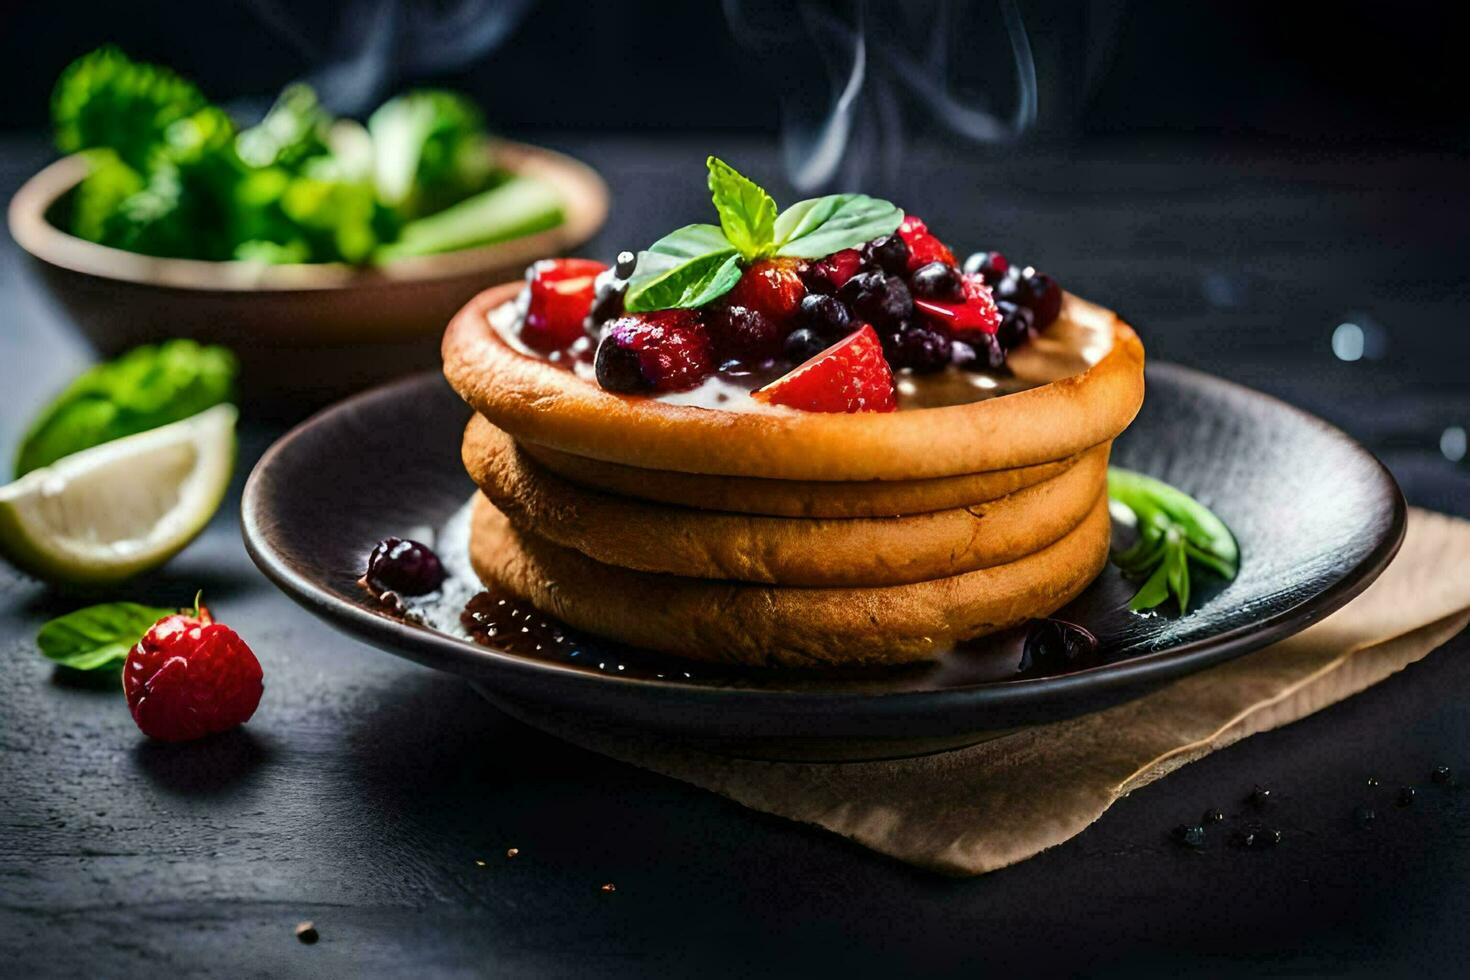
(108, 183)
(107, 99)
(431, 151)
(295, 128)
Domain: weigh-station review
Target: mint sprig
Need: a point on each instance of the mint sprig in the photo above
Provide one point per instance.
(700, 263)
(97, 636)
(1175, 532)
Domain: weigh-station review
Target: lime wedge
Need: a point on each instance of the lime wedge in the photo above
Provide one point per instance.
(115, 510)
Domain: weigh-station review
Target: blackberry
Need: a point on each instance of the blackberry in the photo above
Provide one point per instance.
(883, 301)
(921, 349)
(745, 335)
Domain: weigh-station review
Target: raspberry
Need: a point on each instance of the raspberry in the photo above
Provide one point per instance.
(831, 274)
(923, 246)
(849, 376)
(977, 314)
(189, 677)
(772, 287)
(561, 295)
(668, 350)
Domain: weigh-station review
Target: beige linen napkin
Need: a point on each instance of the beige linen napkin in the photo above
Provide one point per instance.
(972, 810)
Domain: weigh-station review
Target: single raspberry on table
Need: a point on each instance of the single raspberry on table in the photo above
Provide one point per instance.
(849, 376)
(189, 677)
(772, 287)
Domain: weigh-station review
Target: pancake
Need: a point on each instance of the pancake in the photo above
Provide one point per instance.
(785, 498)
(782, 626)
(536, 402)
(708, 544)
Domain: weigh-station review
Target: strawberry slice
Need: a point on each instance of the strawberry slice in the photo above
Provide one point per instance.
(849, 376)
(561, 294)
(977, 313)
(923, 246)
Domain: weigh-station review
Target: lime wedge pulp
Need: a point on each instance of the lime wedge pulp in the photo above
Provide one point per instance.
(110, 512)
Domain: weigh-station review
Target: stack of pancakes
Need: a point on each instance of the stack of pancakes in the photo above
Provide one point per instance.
(781, 537)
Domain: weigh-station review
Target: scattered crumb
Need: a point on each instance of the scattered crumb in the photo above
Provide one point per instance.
(511, 852)
(479, 863)
(609, 887)
(306, 932)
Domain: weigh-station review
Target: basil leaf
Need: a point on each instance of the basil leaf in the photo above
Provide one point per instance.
(686, 268)
(97, 636)
(145, 388)
(1174, 531)
(747, 212)
(822, 225)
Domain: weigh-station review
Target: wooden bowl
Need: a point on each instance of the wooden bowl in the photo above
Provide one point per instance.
(305, 334)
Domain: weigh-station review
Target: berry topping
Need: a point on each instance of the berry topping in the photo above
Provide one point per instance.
(831, 274)
(919, 347)
(189, 677)
(803, 344)
(923, 246)
(826, 315)
(561, 294)
(1015, 324)
(982, 352)
(849, 376)
(1041, 293)
(404, 567)
(977, 314)
(888, 254)
(991, 265)
(664, 351)
(739, 333)
(883, 301)
(937, 281)
(771, 286)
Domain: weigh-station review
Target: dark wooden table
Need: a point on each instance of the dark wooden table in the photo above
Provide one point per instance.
(366, 790)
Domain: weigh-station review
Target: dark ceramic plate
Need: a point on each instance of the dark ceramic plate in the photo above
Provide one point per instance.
(1316, 516)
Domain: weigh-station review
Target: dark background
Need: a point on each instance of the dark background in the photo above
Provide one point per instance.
(1238, 178)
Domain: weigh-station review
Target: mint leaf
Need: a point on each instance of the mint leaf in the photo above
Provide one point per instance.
(145, 388)
(822, 225)
(686, 268)
(1174, 531)
(747, 212)
(97, 636)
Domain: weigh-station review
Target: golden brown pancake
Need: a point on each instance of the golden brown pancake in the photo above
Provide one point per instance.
(537, 402)
(763, 625)
(874, 551)
(784, 498)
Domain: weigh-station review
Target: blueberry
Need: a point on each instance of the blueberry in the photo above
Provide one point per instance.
(1040, 292)
(1190, 835)
(828, 316)
(618, 368)
(626, 264)
(919, 348)
(937, 280)
(1257, 838)
(803, 344)
(991, 265)
(1442, 775)
(889, 254)
(1212, 816)
(883, 301)
(1260, 796)
(404, 567)
(1015, 324)
(989, 354)
(1008, 287)
(1406, 796)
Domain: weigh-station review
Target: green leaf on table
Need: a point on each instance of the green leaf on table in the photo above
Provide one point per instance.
(686, 268)
(1174, 531)
(97, 636)
(143, 389)
(822, 225)
(747, 213)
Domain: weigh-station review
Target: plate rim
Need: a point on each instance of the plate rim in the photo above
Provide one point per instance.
(441, 651)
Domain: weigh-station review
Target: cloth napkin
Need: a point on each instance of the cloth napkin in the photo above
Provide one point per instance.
(976, 809)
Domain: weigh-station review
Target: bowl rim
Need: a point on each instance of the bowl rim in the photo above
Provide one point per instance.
(684, 705)
(582, 188)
